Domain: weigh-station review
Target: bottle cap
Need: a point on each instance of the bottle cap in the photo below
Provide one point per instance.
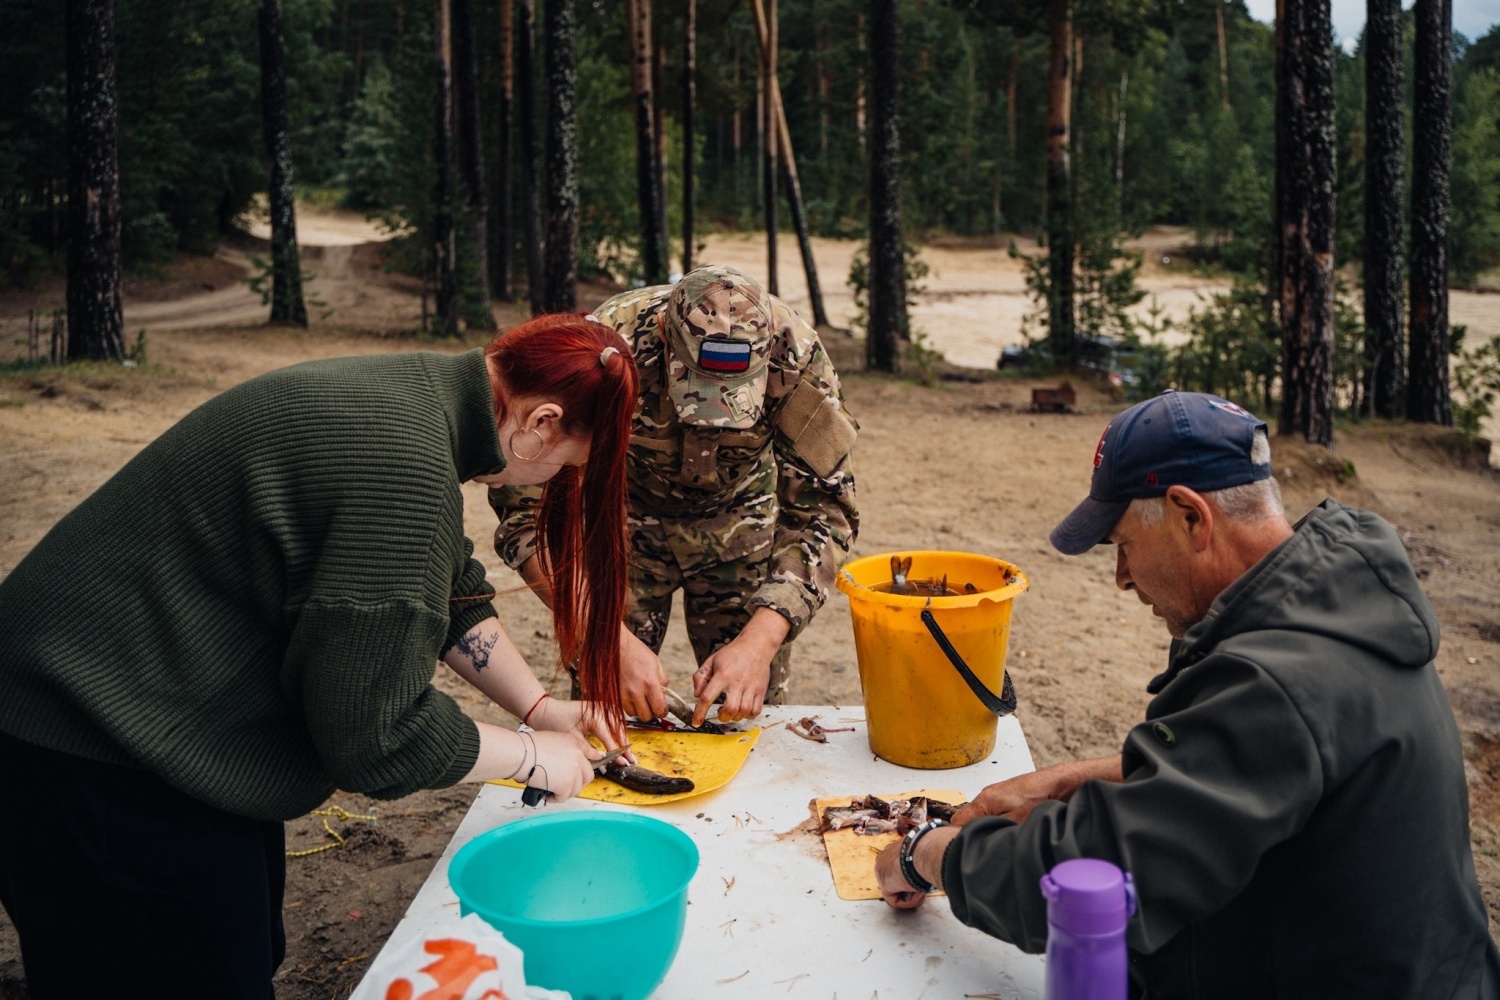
(1088, 896)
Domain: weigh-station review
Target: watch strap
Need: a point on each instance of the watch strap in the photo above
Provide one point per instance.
(908, 851)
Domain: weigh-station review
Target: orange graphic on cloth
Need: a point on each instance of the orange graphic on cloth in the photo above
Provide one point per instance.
(459, 964)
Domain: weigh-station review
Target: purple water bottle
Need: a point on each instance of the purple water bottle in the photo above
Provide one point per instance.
(1089, 903)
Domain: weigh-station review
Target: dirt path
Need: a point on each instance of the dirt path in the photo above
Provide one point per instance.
(974, 302)
(960, 466)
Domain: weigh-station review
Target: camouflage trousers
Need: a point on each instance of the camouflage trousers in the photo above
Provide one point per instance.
(713, 599)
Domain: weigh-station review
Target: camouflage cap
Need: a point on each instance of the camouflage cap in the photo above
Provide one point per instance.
(717, 326)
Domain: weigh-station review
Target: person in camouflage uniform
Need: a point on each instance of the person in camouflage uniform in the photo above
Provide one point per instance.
(740, 484)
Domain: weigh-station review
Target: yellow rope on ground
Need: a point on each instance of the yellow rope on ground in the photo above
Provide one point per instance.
(337, 812)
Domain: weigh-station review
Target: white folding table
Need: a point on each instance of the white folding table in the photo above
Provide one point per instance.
(763, 917)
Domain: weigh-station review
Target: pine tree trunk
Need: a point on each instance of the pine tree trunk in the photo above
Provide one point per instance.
(1385, 202)
(653, 239)
(560, 27)
(446, 302)
(887, 286)
(1223, 55)
(1061, 335)
(1427, 398)
(736, 131)
(505, 239)
(799, 216)
(689, 129)
(794, 182)
(95, 323)
(860, 99)
(1305, 215)
(287, 304)
(659, 110)
(768, 139)
(823, 96)
(530, 201)
(471, 161)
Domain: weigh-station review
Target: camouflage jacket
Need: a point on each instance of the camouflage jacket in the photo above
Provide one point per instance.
(784, 487)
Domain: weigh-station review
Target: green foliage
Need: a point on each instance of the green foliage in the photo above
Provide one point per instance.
(1475, 230)
(261, 281)
(1156, 137)
(1105, 288)
(371, 143)
(1476, 376)
(1152, 366)
(190, 147)
(1232, 350)
(1349, 363)
(608, 231)
(189, 131)
(1225, 190)
(22, 262)
(919, 359)
(915, 270)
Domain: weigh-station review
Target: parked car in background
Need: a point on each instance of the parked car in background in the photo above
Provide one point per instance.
(1116, 359)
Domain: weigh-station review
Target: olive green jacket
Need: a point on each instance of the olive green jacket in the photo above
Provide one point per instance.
(252, 608)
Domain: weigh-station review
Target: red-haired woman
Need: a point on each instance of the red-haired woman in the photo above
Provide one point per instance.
(246, 617)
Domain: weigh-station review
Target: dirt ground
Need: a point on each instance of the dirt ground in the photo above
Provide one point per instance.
(958, 466)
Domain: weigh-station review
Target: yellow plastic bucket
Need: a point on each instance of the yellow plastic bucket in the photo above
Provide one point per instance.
(933, 668)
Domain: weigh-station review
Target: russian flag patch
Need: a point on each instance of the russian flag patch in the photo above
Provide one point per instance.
(729, 356)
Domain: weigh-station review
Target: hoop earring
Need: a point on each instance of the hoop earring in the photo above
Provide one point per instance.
(541, 446)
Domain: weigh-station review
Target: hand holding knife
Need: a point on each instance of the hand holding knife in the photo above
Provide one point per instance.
(533, 796)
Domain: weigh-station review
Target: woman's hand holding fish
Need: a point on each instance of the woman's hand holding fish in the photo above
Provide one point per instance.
(1015, 797)
(574, 717)
(563, 763)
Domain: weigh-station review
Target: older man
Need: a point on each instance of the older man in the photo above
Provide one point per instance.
(1293, 808)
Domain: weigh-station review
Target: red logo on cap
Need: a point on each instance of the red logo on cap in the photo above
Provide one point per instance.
(1099, 449)
(1228, 407)
(1151, 479)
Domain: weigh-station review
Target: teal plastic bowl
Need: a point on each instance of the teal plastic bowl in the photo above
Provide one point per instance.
(596, 900)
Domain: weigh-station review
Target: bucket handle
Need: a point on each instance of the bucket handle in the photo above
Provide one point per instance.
(1002, 705)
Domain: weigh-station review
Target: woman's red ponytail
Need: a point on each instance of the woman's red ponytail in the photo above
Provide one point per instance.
(587, 369)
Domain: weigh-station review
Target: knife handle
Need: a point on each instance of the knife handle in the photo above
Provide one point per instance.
(533, 796)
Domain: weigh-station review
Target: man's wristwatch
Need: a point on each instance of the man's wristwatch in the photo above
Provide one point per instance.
(908, 850)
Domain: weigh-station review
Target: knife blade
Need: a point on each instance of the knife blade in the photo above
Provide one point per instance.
(608, 758)
(533, 796)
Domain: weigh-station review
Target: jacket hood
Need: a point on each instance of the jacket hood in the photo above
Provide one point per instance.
(1339, 558)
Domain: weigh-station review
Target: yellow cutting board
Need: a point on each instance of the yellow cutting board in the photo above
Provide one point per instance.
(851, 856)
(710, 761)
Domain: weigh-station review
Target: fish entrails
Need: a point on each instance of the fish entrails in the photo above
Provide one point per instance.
(871, 815)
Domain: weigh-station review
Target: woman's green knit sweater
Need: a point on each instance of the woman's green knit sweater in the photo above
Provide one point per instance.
(253, 606)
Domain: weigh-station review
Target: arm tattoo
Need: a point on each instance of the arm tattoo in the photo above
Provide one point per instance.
(477, 648)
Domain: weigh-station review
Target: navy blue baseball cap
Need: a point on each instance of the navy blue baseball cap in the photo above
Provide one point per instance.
(1187, 439)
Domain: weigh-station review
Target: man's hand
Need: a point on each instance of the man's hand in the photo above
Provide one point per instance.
(1015, 798)
(740, 669)
(928, 860)
(642, 678)
(893, 885)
